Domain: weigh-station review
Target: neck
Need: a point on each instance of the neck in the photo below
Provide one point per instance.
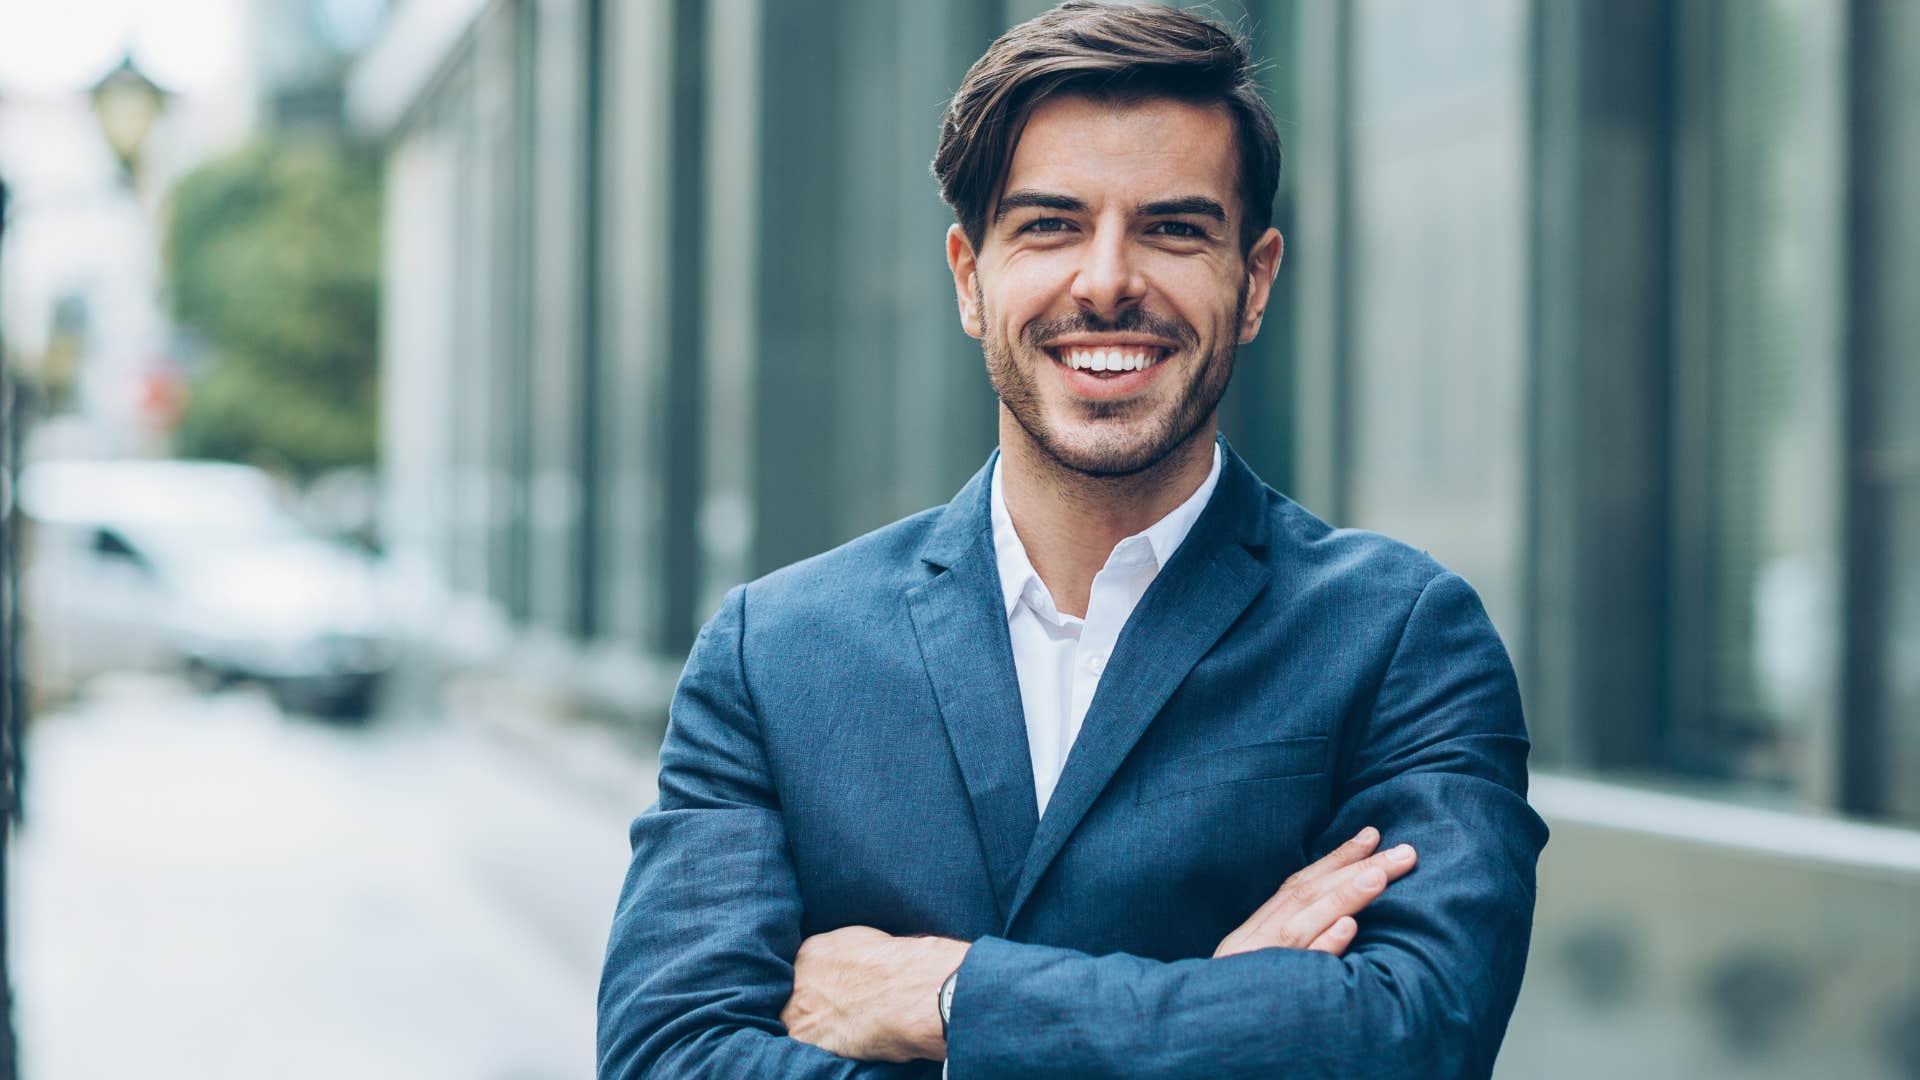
(1069, 522)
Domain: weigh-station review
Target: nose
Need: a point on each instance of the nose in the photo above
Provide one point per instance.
(1108, 280)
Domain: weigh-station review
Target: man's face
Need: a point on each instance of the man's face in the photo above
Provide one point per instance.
(1115, 244)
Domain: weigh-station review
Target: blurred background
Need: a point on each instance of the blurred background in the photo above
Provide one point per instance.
(392, 387)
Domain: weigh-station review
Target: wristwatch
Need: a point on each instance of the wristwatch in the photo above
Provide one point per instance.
(946, 1002)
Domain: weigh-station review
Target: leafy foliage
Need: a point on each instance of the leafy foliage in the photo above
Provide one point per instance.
(273, 257)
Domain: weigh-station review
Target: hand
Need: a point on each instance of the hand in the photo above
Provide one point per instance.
(863, 993)
(1314, 908)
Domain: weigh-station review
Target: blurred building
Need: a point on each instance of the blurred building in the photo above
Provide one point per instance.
(1609, 306)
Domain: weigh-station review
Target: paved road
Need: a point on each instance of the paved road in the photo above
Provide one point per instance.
(207, 889)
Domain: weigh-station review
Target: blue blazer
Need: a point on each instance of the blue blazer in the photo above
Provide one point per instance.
(846, 747)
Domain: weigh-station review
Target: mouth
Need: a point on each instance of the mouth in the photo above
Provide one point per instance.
(1108, 370)
(1107, 360)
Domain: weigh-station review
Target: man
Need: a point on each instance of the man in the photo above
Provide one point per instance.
(1117, 764)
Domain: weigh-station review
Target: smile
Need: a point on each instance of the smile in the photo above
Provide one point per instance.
(1115, 359)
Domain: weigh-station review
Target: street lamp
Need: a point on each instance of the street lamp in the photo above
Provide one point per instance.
(127, 103)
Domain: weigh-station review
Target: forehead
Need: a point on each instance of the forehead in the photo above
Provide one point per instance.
(1136, 150)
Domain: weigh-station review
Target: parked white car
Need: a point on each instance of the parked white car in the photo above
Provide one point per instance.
(195, 564)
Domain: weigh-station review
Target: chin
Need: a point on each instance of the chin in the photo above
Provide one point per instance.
(1106, 454)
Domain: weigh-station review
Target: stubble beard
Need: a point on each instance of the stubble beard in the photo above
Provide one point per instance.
(1118, 456)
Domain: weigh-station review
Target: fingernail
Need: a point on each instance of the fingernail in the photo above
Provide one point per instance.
(1366, 835)
(1371, 880)
(1403, 853)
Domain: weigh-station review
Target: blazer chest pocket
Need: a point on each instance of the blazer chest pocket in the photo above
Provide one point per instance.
(1303, 756)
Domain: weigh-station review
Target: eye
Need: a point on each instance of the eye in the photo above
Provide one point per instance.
(1183, 230)
(1047, 225)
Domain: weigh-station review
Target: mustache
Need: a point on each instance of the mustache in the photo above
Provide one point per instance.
(1130, 321)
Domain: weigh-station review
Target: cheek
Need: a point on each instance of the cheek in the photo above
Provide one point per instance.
(1199, 295)
(1032, 284)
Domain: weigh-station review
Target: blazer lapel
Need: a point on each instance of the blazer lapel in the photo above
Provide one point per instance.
(960, 621)
(1203, 589)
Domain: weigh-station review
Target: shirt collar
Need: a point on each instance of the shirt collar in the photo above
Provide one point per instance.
(1162, 538)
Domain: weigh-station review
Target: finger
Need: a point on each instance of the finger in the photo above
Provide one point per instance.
(1337, 937)
(1306, 925)
(1348, 892)
(792, 1016)
(1301, 882)
(1296, 898)
(1235, 941)
(1395, 862)
(1362, 844)
(1307, 886)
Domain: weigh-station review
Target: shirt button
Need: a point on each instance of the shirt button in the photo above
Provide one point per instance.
(1096, 662)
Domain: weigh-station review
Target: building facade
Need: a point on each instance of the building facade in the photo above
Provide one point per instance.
(1608, 306)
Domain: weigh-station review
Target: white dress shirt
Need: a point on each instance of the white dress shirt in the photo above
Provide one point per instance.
(1059, 658)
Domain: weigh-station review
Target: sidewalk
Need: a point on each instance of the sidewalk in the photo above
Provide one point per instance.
(207, 889)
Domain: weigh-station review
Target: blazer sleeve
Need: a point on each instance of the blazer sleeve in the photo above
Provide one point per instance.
(1429, 983)
(699, 963)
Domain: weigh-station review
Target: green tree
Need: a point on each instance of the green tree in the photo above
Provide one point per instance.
(273, 257)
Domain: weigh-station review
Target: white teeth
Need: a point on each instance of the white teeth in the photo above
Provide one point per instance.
(1082, 359)
(1106, 359)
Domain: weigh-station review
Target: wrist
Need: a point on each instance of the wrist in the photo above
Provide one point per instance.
(921, 1025)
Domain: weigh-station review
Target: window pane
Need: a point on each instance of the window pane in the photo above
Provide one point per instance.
(1440, 130)
(1891, 440)
(1758, 404)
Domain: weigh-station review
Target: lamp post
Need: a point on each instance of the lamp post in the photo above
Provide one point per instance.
(126, 103)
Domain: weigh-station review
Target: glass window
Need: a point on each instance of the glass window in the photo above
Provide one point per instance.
(1438, 383)
(1887, 466)
(1757, 514)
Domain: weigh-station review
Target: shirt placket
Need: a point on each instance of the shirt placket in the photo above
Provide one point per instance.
(1112, 593)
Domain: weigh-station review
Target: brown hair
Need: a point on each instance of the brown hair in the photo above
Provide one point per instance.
(1117, 52)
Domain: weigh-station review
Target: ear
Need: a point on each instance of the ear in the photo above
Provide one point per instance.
(966, 279)
(1263, 261)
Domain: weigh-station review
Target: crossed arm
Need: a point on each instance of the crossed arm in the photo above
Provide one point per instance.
(706, 973)
(862, 993)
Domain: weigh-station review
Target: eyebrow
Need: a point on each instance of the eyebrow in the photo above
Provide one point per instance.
(1186, 204)
(1042, 200)
(1198, 205)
